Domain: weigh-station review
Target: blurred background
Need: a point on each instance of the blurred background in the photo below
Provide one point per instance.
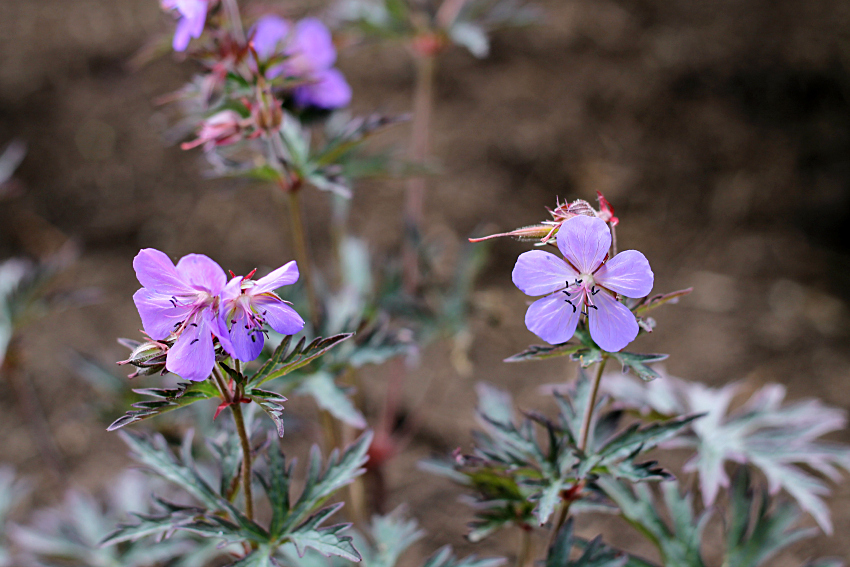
(719, 131)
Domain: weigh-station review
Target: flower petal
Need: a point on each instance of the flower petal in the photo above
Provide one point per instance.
(202, 273)
(247, 339)
(182, 34)
(232, 290)
(192, 356)
(585, 242)
(280, 316)
(285, 275)
(156, 271)
(627, 273)
(612, 325)
(326, 89)
(160, 313)
(269, 36)
(553, 319)
(537, 273)
(314, 43)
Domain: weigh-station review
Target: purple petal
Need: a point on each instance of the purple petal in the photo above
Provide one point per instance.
(202, 273)
(584, 241)
(612, 325)
(219, 328)
(285, 275)
(156, 272)
(627, 273)
(192, 356)
(553, 319)
(244, 348)
(160, 313)
(280, 316)
(314, 43)
(232, 290)
(328, 89)
(269, 35)
(182, 34)
(537, 273)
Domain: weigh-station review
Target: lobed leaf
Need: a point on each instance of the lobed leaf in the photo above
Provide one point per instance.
(165, 400)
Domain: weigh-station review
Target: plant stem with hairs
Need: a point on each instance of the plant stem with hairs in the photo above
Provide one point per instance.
(584, 434)
(239, 420)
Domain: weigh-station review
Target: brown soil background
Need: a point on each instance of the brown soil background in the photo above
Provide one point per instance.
(720, 131)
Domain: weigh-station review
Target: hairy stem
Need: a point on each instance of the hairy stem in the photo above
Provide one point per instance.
(584, 434)
(591, 404)
(414, 207)
(239, 420)
(236, 408)
(302, 252)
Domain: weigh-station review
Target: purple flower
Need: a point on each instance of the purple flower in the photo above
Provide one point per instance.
(193, 16)
(183, 300)
(310, 55)
(247, 304)
(583, 282)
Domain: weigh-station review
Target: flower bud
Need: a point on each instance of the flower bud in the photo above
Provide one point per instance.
(220, 129)
(148, 357)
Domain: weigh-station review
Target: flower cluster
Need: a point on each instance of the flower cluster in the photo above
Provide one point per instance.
(194, 305)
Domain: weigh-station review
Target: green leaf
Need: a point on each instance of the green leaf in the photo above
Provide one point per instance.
(282, 364)
(324, 390)
(148, 525)
(271, 403)
(638, 363)
(595, 553)
(326, 540)
(166, 399)
(392, 534)
(494, 404)
(321, 484)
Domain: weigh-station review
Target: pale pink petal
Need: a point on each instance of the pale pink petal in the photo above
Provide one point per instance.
(553, 319)
(612, 325)
(156, 272)
(280, 316)
(285, 275)
(202, 273)
(232, 290)
(627, 273)
(160, 314)
(537, 273)
(585, 242)
(192, 356)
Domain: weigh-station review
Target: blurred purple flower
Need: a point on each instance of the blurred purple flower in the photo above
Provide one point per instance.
(581, 282)
(310, 55)
(247, 304)
(183, 300)
(193, 16)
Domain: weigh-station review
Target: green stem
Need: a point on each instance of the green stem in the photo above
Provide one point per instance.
(239, 420)
(302, 252)
(584, 434)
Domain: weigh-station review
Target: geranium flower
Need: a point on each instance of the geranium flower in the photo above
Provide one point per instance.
(183, 301)
(583, 282)
(310, 55)
(247, 304)
(193, 16)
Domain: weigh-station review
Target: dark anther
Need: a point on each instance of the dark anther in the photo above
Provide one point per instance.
(173, 302)
(571, 305)
(233, 321)
(578, 281)
(593, 290)
(253, 338)
(592, 307)
(247, 326)
(193, 324)
(568, 293)
(193, 342)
